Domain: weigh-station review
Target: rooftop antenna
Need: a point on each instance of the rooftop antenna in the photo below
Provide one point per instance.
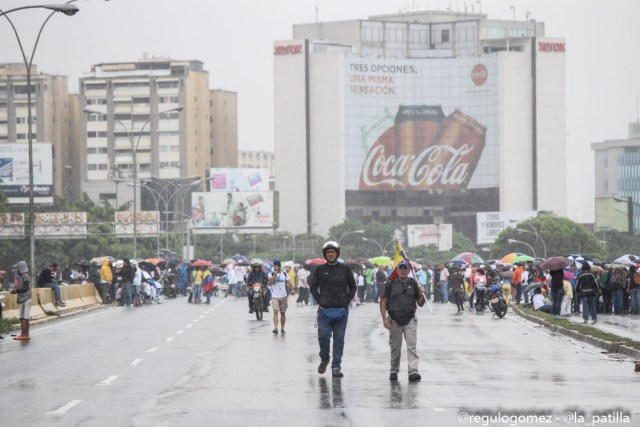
(514, 12)
(528, 14)
(637, 113)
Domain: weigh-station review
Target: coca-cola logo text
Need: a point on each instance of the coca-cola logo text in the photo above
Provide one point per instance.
(423, 168)
(290, 49)
(479, 74)
(551, 47)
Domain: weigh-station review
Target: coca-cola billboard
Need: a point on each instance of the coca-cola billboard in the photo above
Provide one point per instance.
(430, 129)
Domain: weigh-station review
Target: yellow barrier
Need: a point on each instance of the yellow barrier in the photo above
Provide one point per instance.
(12, 308)
(45, 298)
(72, 297)
(89, 294)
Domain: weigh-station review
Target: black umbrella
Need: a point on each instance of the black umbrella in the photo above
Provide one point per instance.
(217, 271)
(146, 266)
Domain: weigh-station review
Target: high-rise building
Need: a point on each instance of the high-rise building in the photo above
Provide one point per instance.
(51, 124)
(134, 97)
(253, 159)
(224, 128)
(617, 175)
(419, 118)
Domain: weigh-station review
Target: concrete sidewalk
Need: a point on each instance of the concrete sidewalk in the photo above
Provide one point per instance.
(625, 325)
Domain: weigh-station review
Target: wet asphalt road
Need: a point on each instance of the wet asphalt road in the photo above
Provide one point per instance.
(184, 364)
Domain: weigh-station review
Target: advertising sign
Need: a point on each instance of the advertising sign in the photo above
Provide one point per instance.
(440, 235)
(11, 225)
(51, 225)
(14, 172)
(421, 125)
(146, 225)
(235, 179)
(612, 214)
(490, 224)
(232, 210)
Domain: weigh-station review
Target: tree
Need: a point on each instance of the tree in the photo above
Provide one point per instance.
(561, 237)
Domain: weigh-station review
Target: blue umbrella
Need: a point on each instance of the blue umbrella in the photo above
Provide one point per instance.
(240, 259)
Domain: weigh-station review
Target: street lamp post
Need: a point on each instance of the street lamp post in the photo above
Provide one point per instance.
(350, 232)
(538, 237)
(384, 251)
(134, 152)
(364, 239)
(68, 10)
(512, 241)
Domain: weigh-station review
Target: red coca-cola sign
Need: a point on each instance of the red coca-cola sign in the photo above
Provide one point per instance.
(424, 150)
(479, 74)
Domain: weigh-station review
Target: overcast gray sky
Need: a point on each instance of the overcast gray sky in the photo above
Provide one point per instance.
(234, 40)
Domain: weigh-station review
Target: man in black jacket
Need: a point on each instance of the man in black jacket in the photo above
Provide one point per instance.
(333, 286)
(46, 279)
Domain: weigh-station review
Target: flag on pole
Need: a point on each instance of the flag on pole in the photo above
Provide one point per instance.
(400, 255)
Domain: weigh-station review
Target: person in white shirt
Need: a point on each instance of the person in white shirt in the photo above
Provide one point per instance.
(303, 287)
(231, 279)
(279, 293)
(239, 273)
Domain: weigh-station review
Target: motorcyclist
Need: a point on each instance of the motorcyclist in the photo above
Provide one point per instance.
(258, 275)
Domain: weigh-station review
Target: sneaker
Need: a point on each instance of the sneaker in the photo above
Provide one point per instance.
(60, 304)
(393, 376)
(275, 331)
(585, 321)
(594, 322)
(282, 332)
(415, 377)
(336, 373)
(322, 367)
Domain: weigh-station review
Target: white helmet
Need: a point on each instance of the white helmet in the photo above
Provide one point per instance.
(331, 244)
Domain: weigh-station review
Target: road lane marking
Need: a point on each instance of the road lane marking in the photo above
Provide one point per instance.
(65, 408)
(135, 362)
(108, 381)
(152, 349)
(189, 325)
(202, 317)
(169, 339)
(179, 332)
(195, 320)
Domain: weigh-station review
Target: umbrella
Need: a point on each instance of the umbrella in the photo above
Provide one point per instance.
(217, 271)
(469, 257)
(100, 259)
(201, 263)
(627, 259)
(569, 275)
(510, 258)
(381, 260)
(317, 261)
(228, 261)
(353, 265)
(555, 263)
(146, 266)
(523, 258)
(118, 264)
(155, 261)
(289, 264)
(459, 261)
(240, 259)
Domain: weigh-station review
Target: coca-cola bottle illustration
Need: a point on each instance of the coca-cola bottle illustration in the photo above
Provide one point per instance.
(391, 159)
(456, 151)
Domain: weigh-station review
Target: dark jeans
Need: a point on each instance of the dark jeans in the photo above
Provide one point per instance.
(56, 290)
(325, 331)
(618, 304)
(556, 300)
(589, 306)
(518, 291)
(361, 294)
(303, 296)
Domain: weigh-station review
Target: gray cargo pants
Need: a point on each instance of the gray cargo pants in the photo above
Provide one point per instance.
(410, 332)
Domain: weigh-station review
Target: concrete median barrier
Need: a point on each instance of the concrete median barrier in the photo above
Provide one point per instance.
(89, 294)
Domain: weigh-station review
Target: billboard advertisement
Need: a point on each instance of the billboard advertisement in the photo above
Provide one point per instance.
(235, 179)
(421, 125)
(14, 172)
(440, 235)
(52, 225)
(11, 225)
(147, 223)
(612, 214)
(232, 210)
(490, 224)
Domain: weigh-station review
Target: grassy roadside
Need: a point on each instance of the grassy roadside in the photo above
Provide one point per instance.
(581, 328)
(8, 325)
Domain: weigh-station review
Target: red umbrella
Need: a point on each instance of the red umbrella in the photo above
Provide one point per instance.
(317, 261)
(569, 275)
(201, 263)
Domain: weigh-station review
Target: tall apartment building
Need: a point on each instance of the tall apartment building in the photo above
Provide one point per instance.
(224, 128)
(420, 118)
(258, 160)
(132, 97)
(617, 171)
(51, 124)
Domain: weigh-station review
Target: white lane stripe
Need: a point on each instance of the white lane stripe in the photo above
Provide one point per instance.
(179, 332)
(135, 362)
(108, 380)
(202, 317)
(189, 325)
(152, 349)
(169, 339)
(65, 408)
(195, 320)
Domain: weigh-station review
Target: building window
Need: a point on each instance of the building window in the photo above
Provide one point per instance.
(445, 36)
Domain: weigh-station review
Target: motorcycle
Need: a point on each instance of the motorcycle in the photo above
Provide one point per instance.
(491, 296)
(257, 300)
(170, 287)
